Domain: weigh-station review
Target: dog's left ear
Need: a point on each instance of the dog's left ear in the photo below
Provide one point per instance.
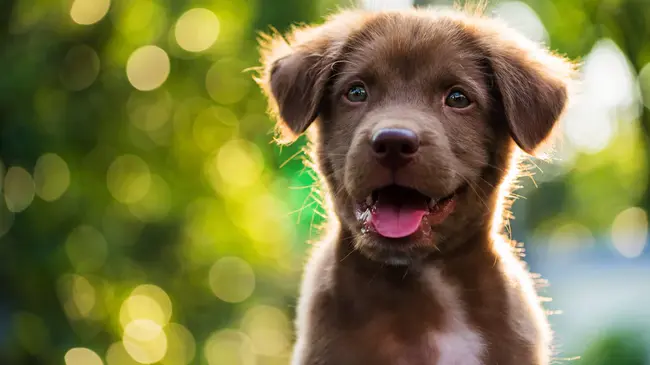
(532, 84)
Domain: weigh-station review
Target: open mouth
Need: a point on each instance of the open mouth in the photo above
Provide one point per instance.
(395, 211)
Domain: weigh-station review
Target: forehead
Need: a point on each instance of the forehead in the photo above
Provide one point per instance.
(405, 47)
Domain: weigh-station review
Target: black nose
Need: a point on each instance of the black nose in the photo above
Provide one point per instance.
(395, 147)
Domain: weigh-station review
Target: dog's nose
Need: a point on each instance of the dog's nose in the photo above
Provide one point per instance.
(395, 147)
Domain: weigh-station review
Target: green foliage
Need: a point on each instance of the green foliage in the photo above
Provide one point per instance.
(619, 347)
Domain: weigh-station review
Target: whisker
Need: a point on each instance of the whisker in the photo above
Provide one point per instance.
(349, 253)
(290, 158)
(299, 211)
(302, 187)
(311, 225)
(471, 185)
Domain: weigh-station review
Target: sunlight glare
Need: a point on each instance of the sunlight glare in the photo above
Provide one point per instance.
(521, 17)
(608, 95)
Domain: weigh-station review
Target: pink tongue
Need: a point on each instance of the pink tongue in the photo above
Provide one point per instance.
(397, 220)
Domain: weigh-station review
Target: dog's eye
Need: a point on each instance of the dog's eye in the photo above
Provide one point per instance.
(456, 99)
(357, 94)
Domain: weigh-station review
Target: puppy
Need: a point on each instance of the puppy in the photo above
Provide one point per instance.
(416, 119)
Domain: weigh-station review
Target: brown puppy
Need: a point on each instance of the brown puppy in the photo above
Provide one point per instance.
(416, 116)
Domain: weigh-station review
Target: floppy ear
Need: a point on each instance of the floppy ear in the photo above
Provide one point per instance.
(532, 84)
(296, 71)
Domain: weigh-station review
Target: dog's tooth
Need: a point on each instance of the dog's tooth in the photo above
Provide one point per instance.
(432, 203)
(369, 200)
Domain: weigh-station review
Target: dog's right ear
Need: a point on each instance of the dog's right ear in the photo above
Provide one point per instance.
(295, 71)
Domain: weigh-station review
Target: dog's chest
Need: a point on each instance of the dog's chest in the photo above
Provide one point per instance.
(436, 348)
(457, 343)
(463, 347)
(452, 341)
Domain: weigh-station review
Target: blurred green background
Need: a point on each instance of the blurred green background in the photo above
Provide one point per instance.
(146, 217)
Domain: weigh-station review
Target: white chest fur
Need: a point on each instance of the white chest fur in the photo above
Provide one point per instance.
(457, 343)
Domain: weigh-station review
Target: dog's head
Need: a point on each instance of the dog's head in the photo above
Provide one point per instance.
(416, 113)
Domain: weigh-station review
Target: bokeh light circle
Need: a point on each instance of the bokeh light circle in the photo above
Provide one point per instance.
(140, 22)
(86, 12)
(181, 348)
(150, 111)
(80, 68)
(148, 68)
(213, 127)
(272, 230)
(630, 232)
(226, 82)
(18, 188)
(269, 330)
(148, 302)
(51, 176)
(128, 179)
(522, 18)
(229, 347)
(197, 29)
(117, 355)
(82, 356)
(240, 163)
(83, 295)
(145, 341)
(30, 332)
(155, 205)
(232, 279)
(86, 248)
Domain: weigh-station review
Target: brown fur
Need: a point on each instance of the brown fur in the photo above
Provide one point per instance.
(462, 297)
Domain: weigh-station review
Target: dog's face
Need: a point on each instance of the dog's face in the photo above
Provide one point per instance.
(406, 132)
(416, 116)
